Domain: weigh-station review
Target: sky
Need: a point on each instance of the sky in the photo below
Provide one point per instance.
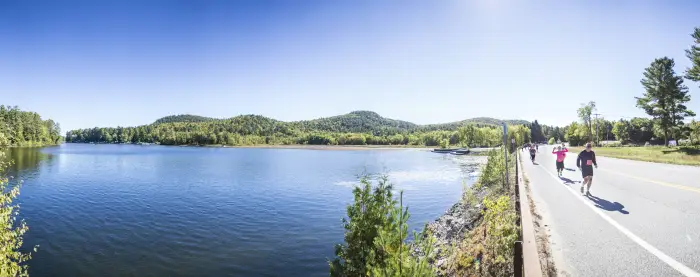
(125, 63)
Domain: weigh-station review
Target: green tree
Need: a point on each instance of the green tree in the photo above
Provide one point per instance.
(375, 231)
(584, 114)
(390, 243)
(24, 128)
(694, 132)
(467, 135)
(622, 129)
(536, 132)
(366, 216)
(576, 134)
(12, 261)
(665, 96)
(693, 73)
(642, 130)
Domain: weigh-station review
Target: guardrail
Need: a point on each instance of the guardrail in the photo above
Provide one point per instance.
(526, 260)
(518, 246)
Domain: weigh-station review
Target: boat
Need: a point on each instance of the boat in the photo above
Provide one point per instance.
(444, 150)
(460, 152)
(453, 151)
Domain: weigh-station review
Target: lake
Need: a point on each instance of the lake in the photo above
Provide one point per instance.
(128, 210)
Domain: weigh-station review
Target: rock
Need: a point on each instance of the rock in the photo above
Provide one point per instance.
(452, 227)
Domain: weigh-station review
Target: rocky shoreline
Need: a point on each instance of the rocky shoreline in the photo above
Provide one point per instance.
(452, 226)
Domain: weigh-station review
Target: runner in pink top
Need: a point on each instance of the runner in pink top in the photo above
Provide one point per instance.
(561, 155)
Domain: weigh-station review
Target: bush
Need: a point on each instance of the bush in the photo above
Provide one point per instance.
(445, 143)
(551, 141)
(487, 250)
(375, 234)
(12, 261)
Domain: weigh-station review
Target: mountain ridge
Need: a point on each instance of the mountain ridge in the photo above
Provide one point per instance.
(354, 128)
(361, 115)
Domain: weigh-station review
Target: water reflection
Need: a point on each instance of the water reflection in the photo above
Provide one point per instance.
(25, 160)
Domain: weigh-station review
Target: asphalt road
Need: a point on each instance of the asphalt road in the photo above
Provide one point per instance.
(643, 219)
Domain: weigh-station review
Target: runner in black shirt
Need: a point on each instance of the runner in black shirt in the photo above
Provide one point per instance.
(585, 162)
(533, 151)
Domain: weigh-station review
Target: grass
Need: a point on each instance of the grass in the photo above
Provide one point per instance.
(684, 155)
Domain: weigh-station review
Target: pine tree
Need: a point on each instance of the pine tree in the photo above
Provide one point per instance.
(693, 73)
(665, 96)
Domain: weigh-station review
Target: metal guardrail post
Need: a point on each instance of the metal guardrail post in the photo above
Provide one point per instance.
(518, 261)
(516, 168)
(518, 245)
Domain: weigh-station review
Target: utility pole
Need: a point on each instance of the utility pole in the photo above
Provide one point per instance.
(597, 142)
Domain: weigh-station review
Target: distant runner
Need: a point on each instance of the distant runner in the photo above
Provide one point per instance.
(533, 151)
(561, 155)
(585, 163)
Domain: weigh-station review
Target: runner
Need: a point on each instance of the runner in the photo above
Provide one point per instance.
(585, 163)
(561, 155)
(533, 151)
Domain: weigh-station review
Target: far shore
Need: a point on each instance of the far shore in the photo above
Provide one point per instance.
(322, 147)
(328, 147)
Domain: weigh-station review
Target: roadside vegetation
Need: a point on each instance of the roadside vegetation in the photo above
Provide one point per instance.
(487, 249)
(376, 235)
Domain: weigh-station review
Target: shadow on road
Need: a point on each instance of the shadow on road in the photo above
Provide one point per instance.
(570, 169)
(568, 181)
(607, 205)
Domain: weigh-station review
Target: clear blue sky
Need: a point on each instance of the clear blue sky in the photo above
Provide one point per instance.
(110, 63)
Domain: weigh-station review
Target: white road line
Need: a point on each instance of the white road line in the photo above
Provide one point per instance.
(656, 252)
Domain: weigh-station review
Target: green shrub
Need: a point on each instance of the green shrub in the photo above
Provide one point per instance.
(12, 261)
(487, 250)
(444, 143)
(551, 141)
(375, 233)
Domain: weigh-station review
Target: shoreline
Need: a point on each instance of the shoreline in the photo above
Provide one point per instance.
(328, 147)
(290, 146)
(474, 151)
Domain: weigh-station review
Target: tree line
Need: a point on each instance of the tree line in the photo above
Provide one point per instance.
(356, 128)
(664, 100)
(24, 128)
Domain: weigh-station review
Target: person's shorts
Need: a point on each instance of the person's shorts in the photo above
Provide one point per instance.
(586, 171)
(532, 156)
(560, 165)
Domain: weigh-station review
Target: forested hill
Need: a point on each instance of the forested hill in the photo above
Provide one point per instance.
(358, 127)
(183, 118)
(356, 122)
(24, 128)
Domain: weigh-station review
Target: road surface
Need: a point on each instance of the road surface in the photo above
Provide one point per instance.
(642, 220)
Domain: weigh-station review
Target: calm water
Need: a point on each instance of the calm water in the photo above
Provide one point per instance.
(125, 210)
